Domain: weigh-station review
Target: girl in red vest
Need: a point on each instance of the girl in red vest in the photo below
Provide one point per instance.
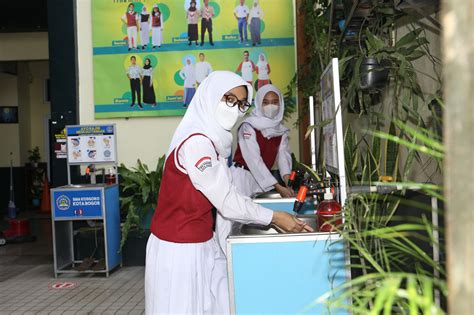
(185, 267)
(131, 19)
(262, 141)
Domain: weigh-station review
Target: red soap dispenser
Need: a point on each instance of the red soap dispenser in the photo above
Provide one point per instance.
(328, 209)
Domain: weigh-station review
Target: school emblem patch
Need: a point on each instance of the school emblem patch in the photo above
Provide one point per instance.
(203, 163)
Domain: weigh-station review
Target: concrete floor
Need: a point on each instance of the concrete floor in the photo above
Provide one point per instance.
(27, 281)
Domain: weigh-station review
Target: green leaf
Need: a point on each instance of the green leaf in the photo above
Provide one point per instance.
(409, 38)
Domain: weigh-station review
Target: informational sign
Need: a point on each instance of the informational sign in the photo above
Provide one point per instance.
(74, 204)
(333, 137)
(91, 144)
(60, 145)
(150, 56)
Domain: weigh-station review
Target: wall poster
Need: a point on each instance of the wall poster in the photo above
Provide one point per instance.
(149, 56)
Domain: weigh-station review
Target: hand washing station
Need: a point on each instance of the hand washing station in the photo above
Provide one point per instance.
(96, 204)
(275, 273)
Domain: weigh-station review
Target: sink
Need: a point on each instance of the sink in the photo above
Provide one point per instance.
(72, 186)
(252, 229)
(272, 194)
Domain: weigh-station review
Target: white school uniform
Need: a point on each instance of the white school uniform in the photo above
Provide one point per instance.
(157, 31)
(131, 32)
(203, 69)
(191, 278)
(145, 30)
(258, 178)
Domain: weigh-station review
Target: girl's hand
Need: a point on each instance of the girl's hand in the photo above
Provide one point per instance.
(289, 223)
(285, 192)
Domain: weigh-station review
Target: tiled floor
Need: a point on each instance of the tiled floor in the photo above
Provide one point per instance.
(26, 280)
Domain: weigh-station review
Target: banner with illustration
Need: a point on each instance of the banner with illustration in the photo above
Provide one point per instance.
(150, 56)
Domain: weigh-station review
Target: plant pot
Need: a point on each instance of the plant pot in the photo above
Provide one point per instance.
(373, 75)
(35, 202)
(134, 249)
(146, 220)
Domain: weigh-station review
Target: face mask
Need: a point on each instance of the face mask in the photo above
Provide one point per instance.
(270, 111)
(226, 116)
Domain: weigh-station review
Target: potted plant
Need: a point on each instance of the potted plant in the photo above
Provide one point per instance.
(138, 200)
(34, 156)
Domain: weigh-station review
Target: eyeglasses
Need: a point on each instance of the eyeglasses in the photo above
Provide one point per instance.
(232, 100)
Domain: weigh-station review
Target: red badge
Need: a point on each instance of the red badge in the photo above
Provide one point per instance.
(203, 163)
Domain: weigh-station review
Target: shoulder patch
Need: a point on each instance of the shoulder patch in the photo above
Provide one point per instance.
(203, 163)
(247, 135)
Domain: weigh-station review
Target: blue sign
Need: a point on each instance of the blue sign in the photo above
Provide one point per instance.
(77, 203)
(89, 130)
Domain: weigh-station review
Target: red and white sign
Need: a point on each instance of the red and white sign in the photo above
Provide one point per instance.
(62, 285)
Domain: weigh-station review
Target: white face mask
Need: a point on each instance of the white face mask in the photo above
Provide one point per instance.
(226, 116)
(270, 110)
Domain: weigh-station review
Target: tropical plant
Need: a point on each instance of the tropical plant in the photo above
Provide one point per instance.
(393, 271)
(138, 200)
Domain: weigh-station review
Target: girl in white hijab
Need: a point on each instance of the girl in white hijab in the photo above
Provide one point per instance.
(254, 20)
(262, 140)
(145, 22)
(185, 268)
(263, 71)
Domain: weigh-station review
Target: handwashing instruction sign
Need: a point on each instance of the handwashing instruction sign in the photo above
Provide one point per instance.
(91, 144)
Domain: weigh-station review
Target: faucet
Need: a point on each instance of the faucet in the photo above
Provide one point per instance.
(91, 170)
(309, 186)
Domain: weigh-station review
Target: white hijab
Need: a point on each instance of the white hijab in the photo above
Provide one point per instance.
(269, 127)
(262, 63)
(256, 11)
(200, 116)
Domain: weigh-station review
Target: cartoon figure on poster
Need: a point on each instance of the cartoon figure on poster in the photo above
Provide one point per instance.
(246, 68)
(255, 21)
(207, 13)
(156, 27)
(134, 74)
(241, 13)
(193, 18)
(263, 71)
(203, 68)
(144, 27)
(130, 18)
(147, 84)
(188, 74)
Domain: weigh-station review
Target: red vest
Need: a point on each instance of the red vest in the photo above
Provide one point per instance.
(131, 19)
(268, 150)
(183, 213)
(156, 21)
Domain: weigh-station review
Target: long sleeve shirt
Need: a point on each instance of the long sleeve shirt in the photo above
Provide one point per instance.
(203, 69)
(188, 74)
(251, 152)
(213, 179)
